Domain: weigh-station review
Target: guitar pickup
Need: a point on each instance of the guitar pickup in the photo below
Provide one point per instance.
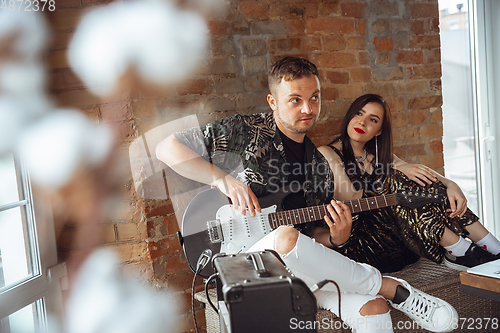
(215, 231)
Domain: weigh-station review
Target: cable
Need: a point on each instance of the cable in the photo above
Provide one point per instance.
(203, 260)
(192, 299)
(206, 291)
(321, 284)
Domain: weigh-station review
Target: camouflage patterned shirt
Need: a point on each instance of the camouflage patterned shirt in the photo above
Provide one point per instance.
(249, 148)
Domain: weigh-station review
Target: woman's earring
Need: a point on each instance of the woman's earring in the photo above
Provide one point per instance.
(376, 151)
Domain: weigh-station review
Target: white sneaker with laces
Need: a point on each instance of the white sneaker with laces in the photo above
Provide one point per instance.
(430, 312)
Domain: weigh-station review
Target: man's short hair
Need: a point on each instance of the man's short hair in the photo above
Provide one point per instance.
(290, 68)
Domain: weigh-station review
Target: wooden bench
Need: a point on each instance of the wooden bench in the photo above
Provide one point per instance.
(434, 279)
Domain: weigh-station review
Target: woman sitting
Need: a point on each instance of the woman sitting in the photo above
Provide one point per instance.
(393, 237)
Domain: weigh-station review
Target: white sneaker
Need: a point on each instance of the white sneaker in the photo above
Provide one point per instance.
(430, 312)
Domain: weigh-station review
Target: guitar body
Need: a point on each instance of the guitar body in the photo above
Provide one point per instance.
(210, 222)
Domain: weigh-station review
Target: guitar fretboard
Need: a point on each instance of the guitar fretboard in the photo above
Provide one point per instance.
(309, 214)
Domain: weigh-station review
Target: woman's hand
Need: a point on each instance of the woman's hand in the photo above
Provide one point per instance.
(419, 173)
(340, 222)
(458, 202)
(240, 194)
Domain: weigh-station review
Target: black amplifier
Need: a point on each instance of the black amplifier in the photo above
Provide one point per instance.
(257, 294)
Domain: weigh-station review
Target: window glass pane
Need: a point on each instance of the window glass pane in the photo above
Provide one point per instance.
(9, 191)
(22, 321)
(458, 111)
(16, 261)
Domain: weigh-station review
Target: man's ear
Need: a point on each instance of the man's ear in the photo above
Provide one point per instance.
(272, 101)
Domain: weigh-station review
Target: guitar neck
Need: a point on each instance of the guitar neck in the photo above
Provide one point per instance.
(314, 213)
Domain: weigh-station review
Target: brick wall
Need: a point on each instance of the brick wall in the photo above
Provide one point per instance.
(389, 47)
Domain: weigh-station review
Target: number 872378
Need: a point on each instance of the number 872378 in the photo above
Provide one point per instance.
(28, 5)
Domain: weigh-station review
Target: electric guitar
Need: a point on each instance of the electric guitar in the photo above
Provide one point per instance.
(211, 224)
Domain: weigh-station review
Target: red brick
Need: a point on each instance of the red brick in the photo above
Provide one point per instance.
(417, 117)
(115, 112)
(396, 104)
(425, 102)
(193, 87)
(432, 131)
(398, 119)
(219, 27)
(326, 128)
(293, 10)
(285, 45)
(416, 150)
(181, 281)
(425, 42)
(433, 24)
(381, 26)
(383, 44)
(351, 91)
(424, 10)
(337, 77)
(131, 252)
(410, 57)
(436, 146)
(329, 8)
(352, 9)
(172, 224)
(432, 56)
(131, 231)
(334, 42)
(417, 27)
(295, 26)
(311, 43)
(329, 94)
(158, 207)
(334, 60)
(434, 162)
(361, 27)
(361, 74)
(384, 57)
(176, 264)
(356, 43)
(254, 9)
(381, 88)
(344, 26)
(363, 58)
(426, 72)
(222, 46)
(437, 116)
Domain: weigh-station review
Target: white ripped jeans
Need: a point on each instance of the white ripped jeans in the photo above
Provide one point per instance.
(359, 283)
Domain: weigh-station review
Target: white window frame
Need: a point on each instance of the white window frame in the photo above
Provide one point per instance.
(45, 283)
(485, 54)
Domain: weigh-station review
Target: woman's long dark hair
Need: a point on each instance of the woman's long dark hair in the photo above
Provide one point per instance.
(384, 140)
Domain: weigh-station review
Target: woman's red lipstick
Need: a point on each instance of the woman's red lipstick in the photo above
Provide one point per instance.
(359, 130)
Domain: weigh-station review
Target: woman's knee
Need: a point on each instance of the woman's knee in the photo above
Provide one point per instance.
(376, 306)
(286, 239)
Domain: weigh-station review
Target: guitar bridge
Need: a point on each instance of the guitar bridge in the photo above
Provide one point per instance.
(215, 231)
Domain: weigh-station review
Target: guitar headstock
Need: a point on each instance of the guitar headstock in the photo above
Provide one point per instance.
(415, 197)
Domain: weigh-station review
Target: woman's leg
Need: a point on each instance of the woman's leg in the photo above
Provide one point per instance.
(483, 238)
